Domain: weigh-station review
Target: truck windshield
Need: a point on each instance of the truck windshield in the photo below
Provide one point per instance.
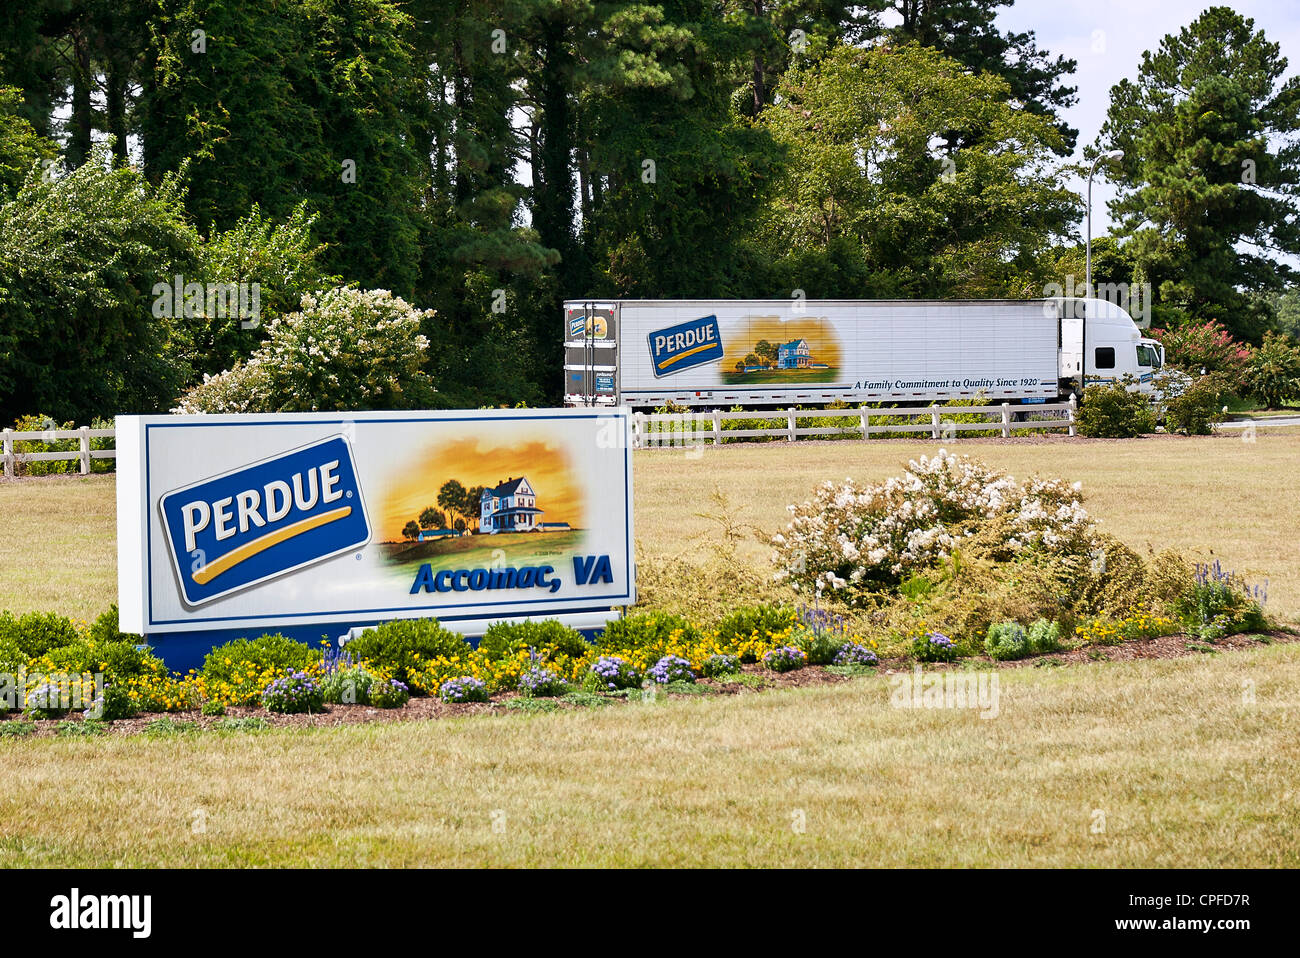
(1148, 356)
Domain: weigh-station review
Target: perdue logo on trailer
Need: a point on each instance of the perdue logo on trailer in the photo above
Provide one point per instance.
(685, 346)
(265, 519)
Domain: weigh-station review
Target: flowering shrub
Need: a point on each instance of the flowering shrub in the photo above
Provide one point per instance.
(1114, 631)
(464, 689)
(1273, 371)
(295, 692)
(1006, 640)
(1207, 346)
(344, 349)
(389, 694)
(934, 647)
(852, 539)
(405, 646)
(720, 664)
(613, 673)
(347, 685)
(537, 682)
(1220, 603)
(785, 659)
(852, 653)
(671, 668)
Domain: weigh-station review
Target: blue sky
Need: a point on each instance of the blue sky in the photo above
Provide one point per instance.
(1107, 38)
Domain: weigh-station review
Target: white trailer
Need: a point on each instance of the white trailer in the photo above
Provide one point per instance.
(756, 353)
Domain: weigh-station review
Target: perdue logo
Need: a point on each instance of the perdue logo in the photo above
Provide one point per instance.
(685, 346)
(264, 520)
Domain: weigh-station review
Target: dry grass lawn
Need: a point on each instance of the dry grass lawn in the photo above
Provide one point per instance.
(1154, 763)
(1212, 497)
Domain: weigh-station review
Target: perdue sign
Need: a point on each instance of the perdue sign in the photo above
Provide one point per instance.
(269, 522)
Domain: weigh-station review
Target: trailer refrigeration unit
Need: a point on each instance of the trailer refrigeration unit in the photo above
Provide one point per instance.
(755, 353)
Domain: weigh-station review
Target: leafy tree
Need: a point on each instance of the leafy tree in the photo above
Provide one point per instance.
(452, 497)
(965, 30)
(1207, 169)
(281, 258)
(1273, 371)
(79, 256)
(766, 351)
(280, 101)
(431, 518)
(460, 524)
(21, 147)
(473, 505)
(411, 530)
(863, 174)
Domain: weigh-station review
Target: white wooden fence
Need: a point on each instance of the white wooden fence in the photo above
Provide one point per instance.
(651, 430)
(654, 430)
(10, 438)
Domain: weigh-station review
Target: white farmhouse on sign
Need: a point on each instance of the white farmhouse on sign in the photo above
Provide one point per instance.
(509, 507)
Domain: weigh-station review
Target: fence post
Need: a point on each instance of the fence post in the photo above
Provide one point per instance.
(84, 439)
(790, 424)
(934, 421)
(636, 429)
(1006, 420)
(717, 427)
(1073, 407)
(8, 448)
(866, 424)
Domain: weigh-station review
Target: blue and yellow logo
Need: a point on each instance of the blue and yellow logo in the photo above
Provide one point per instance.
(264, 520)
(685, 346)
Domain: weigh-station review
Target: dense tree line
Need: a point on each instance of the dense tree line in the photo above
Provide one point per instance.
(485, 160)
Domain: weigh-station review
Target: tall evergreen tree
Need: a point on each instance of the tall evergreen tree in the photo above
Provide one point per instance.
(1209, 187)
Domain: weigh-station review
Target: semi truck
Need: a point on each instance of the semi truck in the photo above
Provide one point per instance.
(764, 353)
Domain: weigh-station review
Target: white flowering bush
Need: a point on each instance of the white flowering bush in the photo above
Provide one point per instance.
(850, 539)
(344, 349)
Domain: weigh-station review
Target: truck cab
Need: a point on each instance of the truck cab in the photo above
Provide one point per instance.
(1106, 336)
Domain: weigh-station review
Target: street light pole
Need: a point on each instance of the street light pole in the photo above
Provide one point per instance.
(1087, 268)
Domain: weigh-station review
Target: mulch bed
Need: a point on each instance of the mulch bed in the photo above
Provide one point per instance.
(759, 680)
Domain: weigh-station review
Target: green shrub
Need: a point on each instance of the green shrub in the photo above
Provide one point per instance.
(1197, 408)
(347, 686)
(716, 666)
(116, 703)
(1273, 371)
(104, 629)
(16, 729)
(1006, 640)
(34, 634)
(292, 693)
(398, 647)
(389, 694)
(934, 647)
(267, 653)
(819, 645)
(761, 621)
(117, 660)
(49, 467)
(646, 636)
(1115, 411)
(1044, 636)
(213, 708)
(787, 658)
(505, 639)
(1218, 604)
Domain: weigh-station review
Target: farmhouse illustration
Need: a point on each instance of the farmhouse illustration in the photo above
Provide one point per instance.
(511, 506)
(793, 355)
